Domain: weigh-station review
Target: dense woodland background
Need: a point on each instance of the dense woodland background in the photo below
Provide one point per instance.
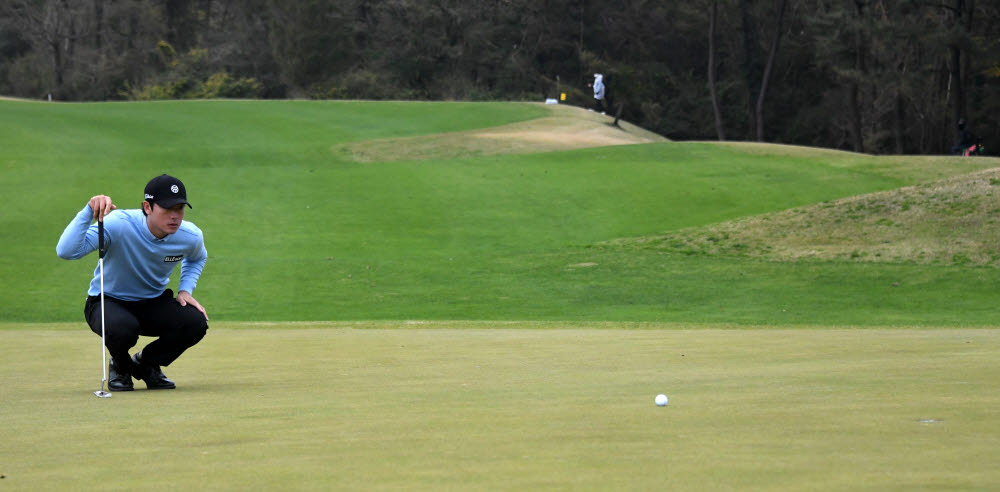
(878, 76)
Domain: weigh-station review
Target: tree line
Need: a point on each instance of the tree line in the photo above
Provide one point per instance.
(877, 76)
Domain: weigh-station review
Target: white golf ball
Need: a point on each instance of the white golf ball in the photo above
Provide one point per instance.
(661, 400)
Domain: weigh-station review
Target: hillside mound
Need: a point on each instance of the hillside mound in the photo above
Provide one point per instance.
(566, 128)
(953, 221)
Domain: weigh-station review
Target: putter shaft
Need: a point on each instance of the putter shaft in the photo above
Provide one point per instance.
(104, 357)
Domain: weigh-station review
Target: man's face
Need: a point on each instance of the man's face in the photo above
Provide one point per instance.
(163, 221)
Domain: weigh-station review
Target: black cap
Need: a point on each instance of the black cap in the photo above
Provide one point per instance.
(166, 191)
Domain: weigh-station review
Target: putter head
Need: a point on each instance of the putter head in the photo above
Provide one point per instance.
(101, 393)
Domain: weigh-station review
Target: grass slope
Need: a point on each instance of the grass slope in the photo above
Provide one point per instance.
(297, 230)
(950, 222)
(500, 407)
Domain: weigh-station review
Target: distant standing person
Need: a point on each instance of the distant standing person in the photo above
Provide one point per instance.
(966, 139)
(599, 92)
(143, 248)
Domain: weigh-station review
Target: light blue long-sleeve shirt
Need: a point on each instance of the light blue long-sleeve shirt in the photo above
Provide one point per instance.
(137, 265)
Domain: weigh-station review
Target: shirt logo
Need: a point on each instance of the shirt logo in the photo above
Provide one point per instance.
(172, 259)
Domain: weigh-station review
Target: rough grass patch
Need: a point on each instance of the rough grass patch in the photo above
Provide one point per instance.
(947, 222)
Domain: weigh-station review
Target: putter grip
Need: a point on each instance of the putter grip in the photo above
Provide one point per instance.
(100, 238)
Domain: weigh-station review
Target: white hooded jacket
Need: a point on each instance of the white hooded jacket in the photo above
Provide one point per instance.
(598, 86)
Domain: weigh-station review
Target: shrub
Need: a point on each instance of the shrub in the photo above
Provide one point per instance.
(219, 85)
(222, 85)
(167, 54)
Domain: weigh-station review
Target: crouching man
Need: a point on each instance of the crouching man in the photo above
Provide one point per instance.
(143, 248)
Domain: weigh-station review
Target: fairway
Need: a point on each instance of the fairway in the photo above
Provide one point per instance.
(298, 228)
(511, 406)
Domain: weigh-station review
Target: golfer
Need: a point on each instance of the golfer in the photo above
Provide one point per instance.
(143, 248)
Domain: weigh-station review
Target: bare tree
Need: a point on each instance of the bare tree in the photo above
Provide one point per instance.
(771, 55)
(712, 19)
(49, 26)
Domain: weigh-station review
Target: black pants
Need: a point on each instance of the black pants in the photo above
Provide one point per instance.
(599, 105)
(178, 327)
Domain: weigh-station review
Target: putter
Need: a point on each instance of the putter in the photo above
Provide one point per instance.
(100, 262)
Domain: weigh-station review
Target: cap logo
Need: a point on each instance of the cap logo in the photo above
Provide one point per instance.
(174, 188)
(148, 196)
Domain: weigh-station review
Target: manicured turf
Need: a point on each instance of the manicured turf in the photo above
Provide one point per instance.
(523, 406)
(296, 230)
(782, 375)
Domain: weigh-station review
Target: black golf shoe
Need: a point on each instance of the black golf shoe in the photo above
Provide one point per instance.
(119, 378)
(151, 374)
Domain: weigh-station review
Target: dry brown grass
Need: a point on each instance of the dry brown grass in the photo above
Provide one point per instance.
(951, 221)
(566, 128)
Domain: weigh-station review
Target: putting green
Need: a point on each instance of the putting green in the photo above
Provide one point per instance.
(519, 406)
